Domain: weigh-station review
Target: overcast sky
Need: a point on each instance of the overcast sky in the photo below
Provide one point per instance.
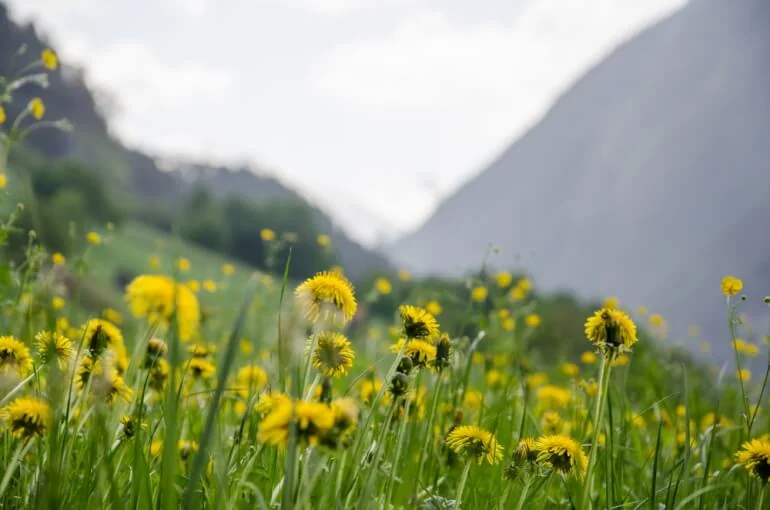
(375, 109)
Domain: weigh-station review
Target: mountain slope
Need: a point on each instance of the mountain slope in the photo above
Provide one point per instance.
(648, 179)
(136, 178)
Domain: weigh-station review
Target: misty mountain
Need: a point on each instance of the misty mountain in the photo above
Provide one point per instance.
(136, 178)
(649, 179)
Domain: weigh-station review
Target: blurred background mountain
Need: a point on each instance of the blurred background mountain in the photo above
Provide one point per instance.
(218, 207)
(649, 179)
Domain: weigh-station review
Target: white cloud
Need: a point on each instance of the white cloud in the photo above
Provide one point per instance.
(341, 7)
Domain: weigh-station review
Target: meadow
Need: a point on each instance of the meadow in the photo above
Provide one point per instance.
(141, 371)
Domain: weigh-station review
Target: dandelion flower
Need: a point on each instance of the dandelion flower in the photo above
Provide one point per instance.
(156, 349)
(479, 294)
(433, 307)
(731, 285)
(159, 375)
(131, 426)
(526, 450)
(27, 417)
(620, 361)
(2, 116)
(37, 108)
(562, 453)
(228, 269)
(49, 59)
(209, 286)
(160, 299)
(754, 456)
(266, 234)
(536, 379)
(611, 331)
(517, 294)
(588, 358)
(346, 414)
(333, 355)
(327, 295)
(14, 356)
(250, 379)
(743, 375)
(420, 351)
(270, 400)
(503, 279)
(570, 370)
(404, 275)
(383, 286)
(611, 303)
(93, 238)
(100, 334)
(183, 264)
(418, 323)
(201, 350)
(532, 320)
(313, 421)
(553, 396)
(443, 355)
(476, 443)
(201, 368)
(508, 324)
(54, 346)
(323, 240)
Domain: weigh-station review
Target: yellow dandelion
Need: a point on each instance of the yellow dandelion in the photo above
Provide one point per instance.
(588, 358)
(383, 286)
(421, 352)
(404, 275)
(590, 388)
(186, 449)
(620, 361)
(570, 370)
(93, 238)
(269, 400)
(611, 331)
(99, 335)
(183, 264)
(333, 355)
(476, 443)
(508, 324)
(536, 379)
(346, 415)
(209, 285)
(418, 323)
(201, 368)
(526, 450)
(193, 285)
(266, 234)
(313, 421)
(532, 320)
(517, 294)
(553, 396)
(433, 307)
(2, 116)
(14, 356)
(49, 59)
(57, 259)
(54, 346)
(37, 108)
(473, 399)
(327, 296)
(201, 350)
(657, 320)
(479, 294)
(27, 417)
(562, 453)
(58, 303)
(368, 388)
(246, 347)
(159, 375)
(611, 303)
(743, 375)
(113, 315)
(160, 299)
(705, 347)
(754, 456)
(731, 285)
(131, 425)
(324, 240)
(503, 279)
(228, 269)
(156, 349)
(250, 379)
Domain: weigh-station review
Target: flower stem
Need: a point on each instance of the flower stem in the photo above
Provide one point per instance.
(461, 487)
(598, 420)
(523, 496)
(427, 439)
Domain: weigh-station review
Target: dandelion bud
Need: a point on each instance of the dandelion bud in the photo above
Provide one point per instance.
(399, 384)
(443, 352)
(405, 365)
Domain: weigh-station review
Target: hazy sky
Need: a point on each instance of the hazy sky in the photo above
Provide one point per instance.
(374, 109)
